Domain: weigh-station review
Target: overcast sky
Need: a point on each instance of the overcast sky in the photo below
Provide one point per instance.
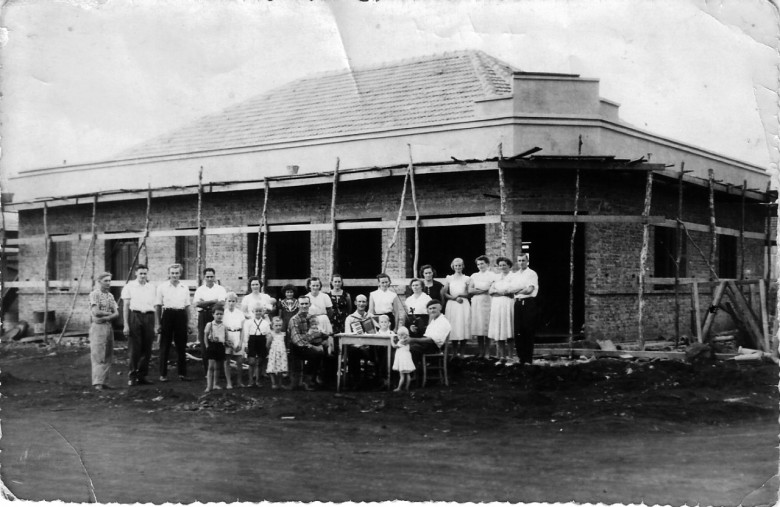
(82, 81)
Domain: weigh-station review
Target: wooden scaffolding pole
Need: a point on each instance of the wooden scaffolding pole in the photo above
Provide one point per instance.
(416, 214)
(713, 273)
(678, 255)
(502, 199)
(148, 223)
(265, 235)
(333, 224)
(643, 257)
(713, 235)
(768, 237)
(260, 232)
(742, 233)
(199, 243)
(4, 253)
(94, 238)
(47, 244)
(91, 247)
(143, 240)
(571, 256)
(397, 221)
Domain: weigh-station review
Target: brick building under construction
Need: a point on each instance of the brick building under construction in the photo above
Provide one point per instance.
(460, 120)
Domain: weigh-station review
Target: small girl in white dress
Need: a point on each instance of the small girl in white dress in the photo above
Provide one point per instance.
(277, 354)
(403, 362)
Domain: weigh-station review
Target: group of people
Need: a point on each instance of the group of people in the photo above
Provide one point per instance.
(296, 336)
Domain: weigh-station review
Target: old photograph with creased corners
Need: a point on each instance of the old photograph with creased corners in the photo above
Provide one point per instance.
(386, 250)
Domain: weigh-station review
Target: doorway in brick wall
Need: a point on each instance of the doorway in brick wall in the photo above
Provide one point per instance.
(548, 243)
(119, 255)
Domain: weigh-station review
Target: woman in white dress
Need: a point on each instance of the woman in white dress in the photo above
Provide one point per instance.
(458, 310)
(255, 297)
(479, 285)
(502, 307)
(321, 305)
(416, 309)
(384, 301)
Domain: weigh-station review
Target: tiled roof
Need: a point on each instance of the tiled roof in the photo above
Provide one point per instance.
(416, 92)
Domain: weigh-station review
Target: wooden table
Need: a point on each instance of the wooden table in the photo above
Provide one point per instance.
(359, 340)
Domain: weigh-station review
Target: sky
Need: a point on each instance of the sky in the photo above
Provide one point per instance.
(85, 79)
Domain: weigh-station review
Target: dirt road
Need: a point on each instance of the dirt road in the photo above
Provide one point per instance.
(605, 431)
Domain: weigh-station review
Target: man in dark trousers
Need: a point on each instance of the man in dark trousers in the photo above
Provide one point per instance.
(527, 282)
(138, 298)
(172, 317)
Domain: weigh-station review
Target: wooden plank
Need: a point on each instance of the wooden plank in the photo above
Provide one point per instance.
(696, 311)
(764, 316)
(638, 354)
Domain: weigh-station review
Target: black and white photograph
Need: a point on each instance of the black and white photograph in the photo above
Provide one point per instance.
(341, 251)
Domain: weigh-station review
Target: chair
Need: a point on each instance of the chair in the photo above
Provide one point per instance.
(439, 364)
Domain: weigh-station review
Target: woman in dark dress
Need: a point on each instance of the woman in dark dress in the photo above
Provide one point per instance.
(431, 286)
(342, 303)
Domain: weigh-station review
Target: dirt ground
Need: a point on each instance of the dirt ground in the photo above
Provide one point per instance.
(607, 430)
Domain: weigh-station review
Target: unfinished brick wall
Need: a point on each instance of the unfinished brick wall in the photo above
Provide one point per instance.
(611, 250)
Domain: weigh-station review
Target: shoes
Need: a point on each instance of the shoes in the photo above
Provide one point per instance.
(309, 387)
(163, 378)
(132, 382)
(144, 382)
(98, 387)
(184, 379)
(106, 386)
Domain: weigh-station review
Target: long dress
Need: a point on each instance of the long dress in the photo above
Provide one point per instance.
(459, 314)
(502, 309)
(480, 303)
(319, 305)
(277, 355)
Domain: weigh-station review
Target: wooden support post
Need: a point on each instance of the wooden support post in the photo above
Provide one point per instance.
(742, 233)
(768, 236)
(94, 238)
(148, 223)
(744, 313)
(263, 219)
(502, 199)
(696, 303)
(397, 221)
(199, 243)
(643, 257)
(47, 244)
(416, 261)
(265, 234)
(334, 226)
(678, 256)
(711, 314)
(143, 240)
(3, 253)
(571, 254)
(764, 316)
(713, 235)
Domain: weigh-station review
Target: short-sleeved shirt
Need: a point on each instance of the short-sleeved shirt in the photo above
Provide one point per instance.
(173, 296)
(104, 301)
(523, 279)
(417, 305)
(438, 330)
(383, 300)
(206, 293)
(249, 302)
(139, 298)
(319, 304)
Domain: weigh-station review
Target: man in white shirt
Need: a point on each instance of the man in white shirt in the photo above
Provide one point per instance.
(435, 333)
(138, 298)
(206, 296)
(172, 317)
(526, 281)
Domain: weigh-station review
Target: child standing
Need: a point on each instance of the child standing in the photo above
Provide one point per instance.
(255, 331)
(214, 334)
(235, 342)
(403, 362)
(277, 354)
